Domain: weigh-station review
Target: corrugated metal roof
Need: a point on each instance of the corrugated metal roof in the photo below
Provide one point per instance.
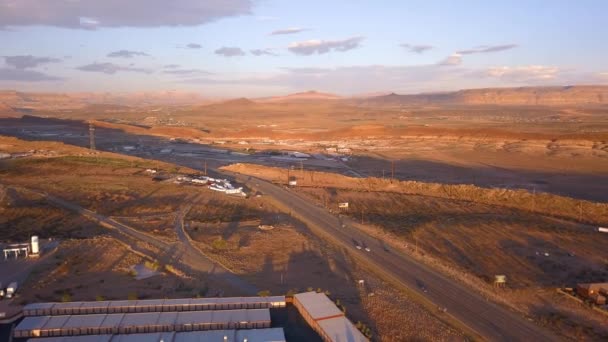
(340, 329)
(252, 335)
(191, 317)
(112, 320)
(149, 337)
(88, 338)
(157, 302)
(101, 304)
(318, 305)
(84, 321)
(205, 336)
(261, 335)
(35, 306)
(31, 323)
(56, 322)
(167, 318)
(140, 319)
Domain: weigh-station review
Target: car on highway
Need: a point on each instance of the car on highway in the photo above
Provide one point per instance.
(367, 249)
(358, 246)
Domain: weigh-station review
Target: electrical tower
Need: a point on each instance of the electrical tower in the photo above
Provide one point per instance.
(91, 136)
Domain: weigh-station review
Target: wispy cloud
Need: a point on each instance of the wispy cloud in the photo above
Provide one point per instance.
(291, 30)
(487, 49)
(230, 51)
(417, 48)
(28, 61)
(110, 68)
(21, 75)
(310, 47)
(194, 46)
(127, 54)
(171, 66)
(92, 14)
(453, 59)
(261, 52)
(186, 72)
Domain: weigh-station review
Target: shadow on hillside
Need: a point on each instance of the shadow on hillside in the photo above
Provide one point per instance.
(578, 185)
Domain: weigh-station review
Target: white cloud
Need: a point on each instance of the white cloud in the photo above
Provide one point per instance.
(453, 59)
(92, 14)
(530, 73)
(310, 47)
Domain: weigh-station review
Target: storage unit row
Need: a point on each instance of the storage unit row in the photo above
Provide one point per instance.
(132, 323)
(152, 305)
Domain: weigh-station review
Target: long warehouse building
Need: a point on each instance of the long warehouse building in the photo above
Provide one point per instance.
(326, 318)
(249, 335)
(153, 305)
(149, 322)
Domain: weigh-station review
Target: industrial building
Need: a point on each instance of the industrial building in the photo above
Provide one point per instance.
(22, 249)
(153, 305)
(242, 319)
(148, 316)
(326, 319)
(249, 335)
(595, 292)
(147, 322)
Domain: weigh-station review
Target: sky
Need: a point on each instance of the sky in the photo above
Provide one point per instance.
(252, 48)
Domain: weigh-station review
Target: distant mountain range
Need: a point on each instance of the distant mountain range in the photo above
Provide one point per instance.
(14, 101)
(549, 96)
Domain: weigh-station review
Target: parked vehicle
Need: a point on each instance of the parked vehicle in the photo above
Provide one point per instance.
(11, 289)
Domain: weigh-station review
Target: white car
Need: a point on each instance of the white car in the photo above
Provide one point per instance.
(358, 247)
(367, 249)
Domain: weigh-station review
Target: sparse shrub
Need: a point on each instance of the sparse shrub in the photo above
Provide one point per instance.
(219, 244)
(66, 297)
(100, 298)
(264, 293)
(132, 296)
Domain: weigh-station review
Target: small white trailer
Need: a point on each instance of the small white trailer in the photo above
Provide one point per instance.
(602, 230)
(11, 289)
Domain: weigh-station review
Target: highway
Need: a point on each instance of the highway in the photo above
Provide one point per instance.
(489, 320)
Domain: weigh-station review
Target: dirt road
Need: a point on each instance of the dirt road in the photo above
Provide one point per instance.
(182, 254)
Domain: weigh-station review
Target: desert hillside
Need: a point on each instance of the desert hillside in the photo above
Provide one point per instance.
(547, 96)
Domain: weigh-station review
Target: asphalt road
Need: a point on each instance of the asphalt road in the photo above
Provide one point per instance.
(490, 321)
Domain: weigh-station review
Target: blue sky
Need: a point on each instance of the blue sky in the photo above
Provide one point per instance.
(226, 47)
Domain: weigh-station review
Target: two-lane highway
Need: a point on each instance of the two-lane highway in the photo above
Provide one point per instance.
(487, 319)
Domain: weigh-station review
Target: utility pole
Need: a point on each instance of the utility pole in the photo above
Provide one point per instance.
(392, 170)
(91, 136)
(383, 174)
(302, 169)
(533, 199)
(205, 167)
(288, 177)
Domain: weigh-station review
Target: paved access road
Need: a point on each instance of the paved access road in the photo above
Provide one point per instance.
(487, 319)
